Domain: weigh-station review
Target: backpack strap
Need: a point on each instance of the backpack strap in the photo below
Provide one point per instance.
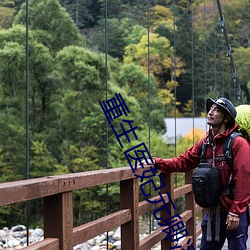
(227, 151)
(203, 152)
(227, 148)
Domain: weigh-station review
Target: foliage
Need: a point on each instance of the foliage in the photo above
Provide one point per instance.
(242, 63)
(144, 89)
(53, 25)
(6, 17)
(189, 139)
(161, 16)
(84, 13)
(160, 53)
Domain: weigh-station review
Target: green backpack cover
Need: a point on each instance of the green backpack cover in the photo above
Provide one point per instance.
(243, 119)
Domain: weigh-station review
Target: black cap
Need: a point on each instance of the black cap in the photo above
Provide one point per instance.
(223, 103)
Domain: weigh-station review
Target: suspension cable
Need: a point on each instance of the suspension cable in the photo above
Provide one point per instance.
(174, 74)
(27, 207)
(205, 49)
(175, 88)
(215, 52)
(221, 68)
(229, 53)
(149, 121)
(192, 77)
(106, 82)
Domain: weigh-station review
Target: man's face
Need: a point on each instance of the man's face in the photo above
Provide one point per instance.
(215, 116)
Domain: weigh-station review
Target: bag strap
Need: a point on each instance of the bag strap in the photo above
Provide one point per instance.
(227, 151)
(227, 148)
(203, 152)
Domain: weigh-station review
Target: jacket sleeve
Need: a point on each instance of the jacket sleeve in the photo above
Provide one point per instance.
(185, 162)
(241, 175)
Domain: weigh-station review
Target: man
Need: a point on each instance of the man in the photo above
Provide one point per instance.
(221, 115)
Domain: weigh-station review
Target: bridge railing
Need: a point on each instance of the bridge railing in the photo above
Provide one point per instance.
(56, 192)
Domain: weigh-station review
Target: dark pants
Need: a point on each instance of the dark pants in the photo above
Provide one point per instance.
(237, 238)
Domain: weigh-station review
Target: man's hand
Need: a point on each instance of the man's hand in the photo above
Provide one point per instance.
(232, 221)
(144, 163)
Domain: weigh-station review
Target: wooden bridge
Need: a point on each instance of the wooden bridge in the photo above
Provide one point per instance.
(56, 192)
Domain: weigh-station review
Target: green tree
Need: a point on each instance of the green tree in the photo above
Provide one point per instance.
(80, 74)
(241, 56)
(42, 163)
(6, 17)
(136, 83)
(161, 57)
(13, 60)
(84, 13)
(53, 25)
(117, 31)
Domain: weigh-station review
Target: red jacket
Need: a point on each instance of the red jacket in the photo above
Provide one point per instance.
(241, 167)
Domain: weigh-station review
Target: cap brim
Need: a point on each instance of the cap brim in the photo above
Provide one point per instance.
(209, 103)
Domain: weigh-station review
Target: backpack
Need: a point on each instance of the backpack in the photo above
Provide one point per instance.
(206, 179)
(243, 120)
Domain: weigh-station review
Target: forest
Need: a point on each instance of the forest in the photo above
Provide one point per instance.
(164, 57)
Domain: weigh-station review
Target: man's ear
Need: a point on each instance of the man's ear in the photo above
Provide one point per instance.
(228, 118)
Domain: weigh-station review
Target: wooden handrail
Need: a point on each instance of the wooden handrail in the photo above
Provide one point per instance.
(58, 208)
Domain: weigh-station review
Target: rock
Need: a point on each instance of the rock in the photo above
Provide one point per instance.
(100, 238)
(117, 245)
(19, 234)
(103, 243)
(18, 247)
(117, 235)
(112, 240)
(38, 232)
(3, 233)
(81, 246)
(111, 233)
(13, 243)
(95, 248)
(16, 238)
(23, 240)
(91, 242)
(18, 228)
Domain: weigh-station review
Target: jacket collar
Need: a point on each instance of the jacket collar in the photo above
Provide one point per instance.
(221, 136)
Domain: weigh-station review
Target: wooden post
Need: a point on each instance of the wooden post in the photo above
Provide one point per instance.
(129, 197)
(169, 187)
(58, 219)
(190, 205)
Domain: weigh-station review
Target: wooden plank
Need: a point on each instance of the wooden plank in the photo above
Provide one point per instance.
(129, 196)
(152, 239)
(46, 244)
(58, 219)
(94, 178)
(24, 190)
(190, 205)
(145, 206)
(182, 190)
(198, 209)
(169, 182)
(198, 230)
(184, 242)
(90, 230)
(187, 215)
